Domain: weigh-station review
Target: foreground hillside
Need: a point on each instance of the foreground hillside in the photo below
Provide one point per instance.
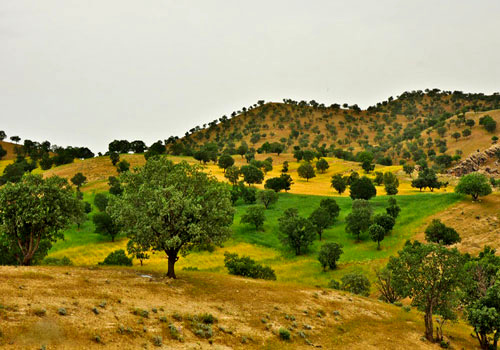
(80, 308)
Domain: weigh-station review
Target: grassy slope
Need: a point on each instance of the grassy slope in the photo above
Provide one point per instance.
(480, 139)
(9, 147)
(326, 318)
(97, 170)
(85, 247)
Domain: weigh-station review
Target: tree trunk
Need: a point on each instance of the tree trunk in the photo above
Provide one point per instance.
(172, 259)
(378, 246)
(429, 329)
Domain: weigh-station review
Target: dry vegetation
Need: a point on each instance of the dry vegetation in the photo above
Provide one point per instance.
(478, 223)
(127, 311)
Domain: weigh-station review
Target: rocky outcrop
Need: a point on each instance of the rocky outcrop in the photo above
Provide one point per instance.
(476, 161)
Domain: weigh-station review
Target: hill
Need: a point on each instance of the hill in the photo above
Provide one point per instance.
(393, 130)
(97, 170)
(103, 308)
(9, 147)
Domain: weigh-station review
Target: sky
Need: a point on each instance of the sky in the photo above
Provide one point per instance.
(84, 73)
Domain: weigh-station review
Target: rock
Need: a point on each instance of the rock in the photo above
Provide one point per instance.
(474, 162)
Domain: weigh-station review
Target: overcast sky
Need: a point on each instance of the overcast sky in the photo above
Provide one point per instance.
(86, 72)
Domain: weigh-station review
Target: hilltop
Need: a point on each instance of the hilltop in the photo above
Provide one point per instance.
(69, 308)
(399, 129)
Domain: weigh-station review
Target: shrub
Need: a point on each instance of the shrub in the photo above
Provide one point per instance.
(157, 340)
(334, 284)
(201, 325)
(118, 257)
(247, 267)
(438, 232)
(356, 283)
(64, 261)
(284, 334)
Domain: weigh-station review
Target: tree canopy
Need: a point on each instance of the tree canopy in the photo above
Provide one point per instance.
(33, 213)
(474, 184)
(171, 208)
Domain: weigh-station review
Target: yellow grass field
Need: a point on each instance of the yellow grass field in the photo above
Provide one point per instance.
(97, 170)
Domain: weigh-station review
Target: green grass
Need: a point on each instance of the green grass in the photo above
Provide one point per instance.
(85, 247)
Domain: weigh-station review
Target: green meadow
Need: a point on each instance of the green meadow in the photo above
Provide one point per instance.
(85, 247)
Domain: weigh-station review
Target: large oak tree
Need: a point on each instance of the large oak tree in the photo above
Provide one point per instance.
(172, 208)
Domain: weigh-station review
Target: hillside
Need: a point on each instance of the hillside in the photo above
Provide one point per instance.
(97, 170)
(9, 147)
(394, 129)
(102, 308)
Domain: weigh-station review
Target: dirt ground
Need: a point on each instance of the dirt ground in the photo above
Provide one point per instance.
(105, 308)
(478, 223)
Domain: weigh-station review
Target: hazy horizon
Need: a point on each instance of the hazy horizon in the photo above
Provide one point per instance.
(85, 73)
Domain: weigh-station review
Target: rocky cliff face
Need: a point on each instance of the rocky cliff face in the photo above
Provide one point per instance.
(477, 161)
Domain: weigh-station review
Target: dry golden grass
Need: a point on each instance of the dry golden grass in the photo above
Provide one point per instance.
(479, 139)
(9, 147)
(97, 170)
(240, 306)
(478, 223)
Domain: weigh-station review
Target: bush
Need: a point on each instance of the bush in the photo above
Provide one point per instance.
(356, 283)
(118, 257)
(64, 261)
(334, 284)
(284, 334)
(247, 267)
(438, 232)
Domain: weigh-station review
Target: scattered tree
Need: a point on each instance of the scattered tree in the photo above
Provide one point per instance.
(329, 254)
(267, 197)
(78, 180)
(225, 161)
(377, 234)
(393, 209)
(339, 183)
(104, 224)
(255, 215)
(297, 232)
(101, 201)
(306, 171)
(437, 232)
(360, 218)
(474, 184)
(252, 174)
(34, 211)
(331, 207)
(322, 165)
(320, 220)
(429, 274)
(363, 188)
